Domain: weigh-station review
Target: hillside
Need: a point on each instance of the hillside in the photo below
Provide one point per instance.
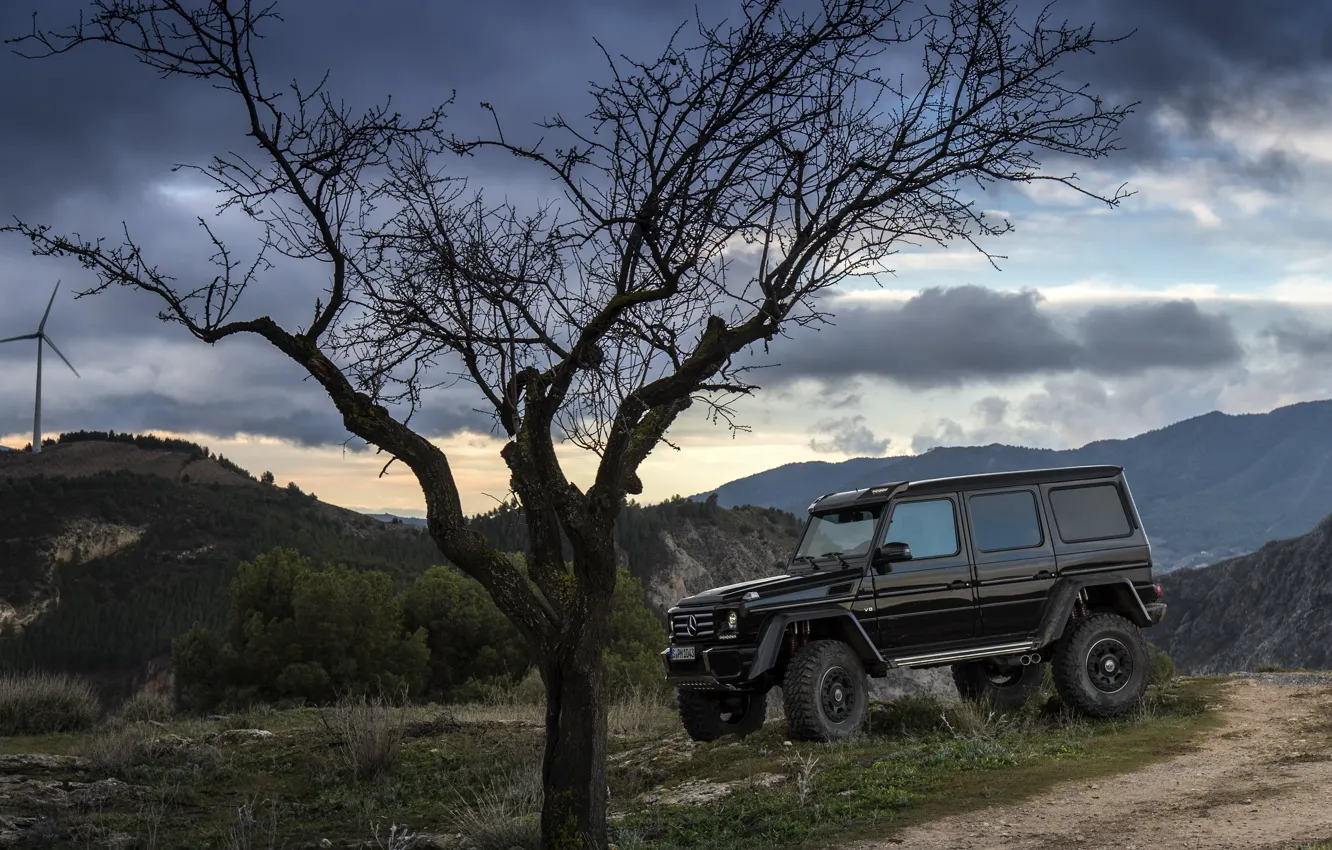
(1208, 488)
(110, 548)
(1266, 608)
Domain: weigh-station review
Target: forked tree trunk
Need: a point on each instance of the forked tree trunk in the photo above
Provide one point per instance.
(574, 772)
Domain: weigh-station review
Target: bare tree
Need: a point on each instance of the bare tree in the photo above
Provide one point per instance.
(705, 203)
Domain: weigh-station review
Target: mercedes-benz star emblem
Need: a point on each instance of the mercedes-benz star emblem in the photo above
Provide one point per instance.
(692, 626)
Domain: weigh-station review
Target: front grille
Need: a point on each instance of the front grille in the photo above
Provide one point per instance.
(692, 628)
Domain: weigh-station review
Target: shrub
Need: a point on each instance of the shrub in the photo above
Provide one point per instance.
(299, 633)
(370, 730)
(1162, 665)
(114, 750)
(148, 705)
(43, 703)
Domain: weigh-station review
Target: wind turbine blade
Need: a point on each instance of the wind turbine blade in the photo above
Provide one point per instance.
(42, 326)
(46, 339)
(25, 336)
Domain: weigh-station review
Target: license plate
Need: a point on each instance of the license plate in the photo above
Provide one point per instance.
(683, 653)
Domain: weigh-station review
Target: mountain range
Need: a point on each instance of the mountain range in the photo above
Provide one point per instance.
(1208, 488)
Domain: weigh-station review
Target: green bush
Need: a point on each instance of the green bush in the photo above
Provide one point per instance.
(471, 643)
(1162, 665)
(42, 703)
(299, 633)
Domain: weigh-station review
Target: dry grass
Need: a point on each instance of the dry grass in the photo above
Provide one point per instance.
(115, 749)
(640, 712)
(148, 706)
(506, 812)
(43, 703)
(371, 730)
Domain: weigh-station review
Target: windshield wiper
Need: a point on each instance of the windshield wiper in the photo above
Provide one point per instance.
(804, 559)
(838, 555)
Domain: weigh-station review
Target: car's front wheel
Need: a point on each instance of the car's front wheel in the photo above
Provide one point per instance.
(825, 692)
(1004, 685)
(1101, 666)
(707, 715)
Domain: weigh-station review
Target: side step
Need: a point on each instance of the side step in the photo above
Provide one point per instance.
(933, 658)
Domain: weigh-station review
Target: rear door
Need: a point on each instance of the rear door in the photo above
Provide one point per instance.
(928, 599)
(1014, 559)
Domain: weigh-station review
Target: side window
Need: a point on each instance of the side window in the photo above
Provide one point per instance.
(1089, 513)
(929, 528)
(1005, 521)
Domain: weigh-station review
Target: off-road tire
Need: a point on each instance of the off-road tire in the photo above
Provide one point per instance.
(1090, 662)
(707, 715)
(1005, 689)
(825, 692)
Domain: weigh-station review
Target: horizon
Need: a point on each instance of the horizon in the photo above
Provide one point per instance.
(235, 451)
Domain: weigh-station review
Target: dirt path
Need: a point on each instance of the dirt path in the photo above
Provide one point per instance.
(1261, 780)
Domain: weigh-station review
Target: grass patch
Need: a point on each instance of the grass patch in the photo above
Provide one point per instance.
(204, 783)
(921, 760)
(44, 703)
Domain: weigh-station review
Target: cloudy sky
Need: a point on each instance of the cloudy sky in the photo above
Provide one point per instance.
(1209, 289)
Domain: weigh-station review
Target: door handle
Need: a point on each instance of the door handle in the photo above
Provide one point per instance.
(958, 585)
(1044, 574)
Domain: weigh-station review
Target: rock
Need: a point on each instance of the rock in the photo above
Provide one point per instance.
(29, 762)
(243, 736)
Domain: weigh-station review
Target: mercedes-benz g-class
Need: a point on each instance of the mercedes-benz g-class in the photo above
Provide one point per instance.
(995, 575)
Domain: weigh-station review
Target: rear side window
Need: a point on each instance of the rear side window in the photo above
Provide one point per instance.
(1005, 521)
(1089, 513)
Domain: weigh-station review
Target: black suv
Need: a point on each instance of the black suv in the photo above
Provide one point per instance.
(993, 574)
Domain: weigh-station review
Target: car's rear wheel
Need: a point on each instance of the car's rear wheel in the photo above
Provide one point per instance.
(709, 715)
(1101, 666)
(1004, 685)
(825, 692)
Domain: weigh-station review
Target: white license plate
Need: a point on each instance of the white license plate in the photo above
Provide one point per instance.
(683, 653)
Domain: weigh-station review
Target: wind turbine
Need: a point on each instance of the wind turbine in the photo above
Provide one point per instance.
(42, 339)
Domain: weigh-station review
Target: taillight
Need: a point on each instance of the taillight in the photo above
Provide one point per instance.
(1159, 594)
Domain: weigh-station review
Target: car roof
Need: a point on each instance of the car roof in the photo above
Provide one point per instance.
(984, 481)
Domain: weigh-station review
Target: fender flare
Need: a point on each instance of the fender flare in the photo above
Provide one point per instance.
(770, 644)
(1059, 604)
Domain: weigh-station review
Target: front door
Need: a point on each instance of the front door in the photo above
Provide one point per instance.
(1015, 562)
(928, 599)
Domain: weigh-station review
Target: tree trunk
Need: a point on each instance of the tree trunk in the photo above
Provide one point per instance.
(574, 772)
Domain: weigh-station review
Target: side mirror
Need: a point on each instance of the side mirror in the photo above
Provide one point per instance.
(890, 553)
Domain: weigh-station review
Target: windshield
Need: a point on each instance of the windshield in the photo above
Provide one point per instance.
(847, 533)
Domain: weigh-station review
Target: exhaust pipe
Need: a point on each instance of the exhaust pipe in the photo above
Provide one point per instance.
(1026, 660)
(1035, 658)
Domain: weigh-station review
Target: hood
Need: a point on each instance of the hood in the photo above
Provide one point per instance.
(773, 587)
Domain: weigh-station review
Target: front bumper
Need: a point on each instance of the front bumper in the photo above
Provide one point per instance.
(716, 668)
(1156, 612)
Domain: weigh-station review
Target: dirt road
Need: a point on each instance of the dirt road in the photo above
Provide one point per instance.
(1261, 780)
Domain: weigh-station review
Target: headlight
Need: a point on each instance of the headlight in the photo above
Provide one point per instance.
(732, 620)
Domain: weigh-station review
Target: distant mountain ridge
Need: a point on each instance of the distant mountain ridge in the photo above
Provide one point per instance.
(1208, 488)
(1266, 608)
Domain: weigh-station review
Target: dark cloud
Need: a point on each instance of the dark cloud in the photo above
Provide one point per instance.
(1206, 59)
(1301, 339)
(848, 435)
(939, 337)
(949, 337)
(1127, 339)
(87, 137)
